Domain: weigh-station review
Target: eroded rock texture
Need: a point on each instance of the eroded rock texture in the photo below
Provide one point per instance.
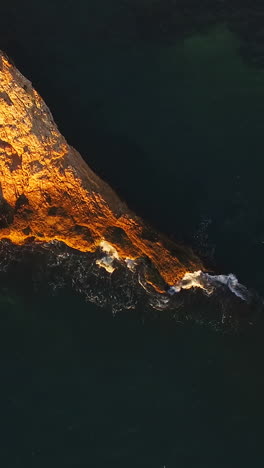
(47, 192)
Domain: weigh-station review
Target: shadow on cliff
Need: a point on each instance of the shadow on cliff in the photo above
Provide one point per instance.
(6, 211)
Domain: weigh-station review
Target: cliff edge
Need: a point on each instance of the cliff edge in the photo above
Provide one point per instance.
(48, 192)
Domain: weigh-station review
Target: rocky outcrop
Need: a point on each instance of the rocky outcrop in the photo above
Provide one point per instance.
(47, 191)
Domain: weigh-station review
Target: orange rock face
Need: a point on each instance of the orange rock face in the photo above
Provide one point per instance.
(47, 191)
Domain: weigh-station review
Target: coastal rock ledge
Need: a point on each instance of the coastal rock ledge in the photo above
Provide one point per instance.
(48, 192)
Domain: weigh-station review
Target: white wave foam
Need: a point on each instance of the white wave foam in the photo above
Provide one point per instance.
(209, 283)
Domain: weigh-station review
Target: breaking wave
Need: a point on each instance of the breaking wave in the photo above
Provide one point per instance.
(102, 278)
(209, 283)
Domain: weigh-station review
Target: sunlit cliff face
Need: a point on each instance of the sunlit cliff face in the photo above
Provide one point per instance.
(47, 193)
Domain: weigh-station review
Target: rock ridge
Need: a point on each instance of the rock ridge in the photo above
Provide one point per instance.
(48, 192)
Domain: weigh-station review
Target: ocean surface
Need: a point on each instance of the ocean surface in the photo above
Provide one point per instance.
(176, 128)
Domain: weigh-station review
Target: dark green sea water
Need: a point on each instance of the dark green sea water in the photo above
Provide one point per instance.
(177, 130)
(80, 388)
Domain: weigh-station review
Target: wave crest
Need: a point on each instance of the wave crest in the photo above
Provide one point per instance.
(56, 266)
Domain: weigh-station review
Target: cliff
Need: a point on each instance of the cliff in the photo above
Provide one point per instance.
(47, 191)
